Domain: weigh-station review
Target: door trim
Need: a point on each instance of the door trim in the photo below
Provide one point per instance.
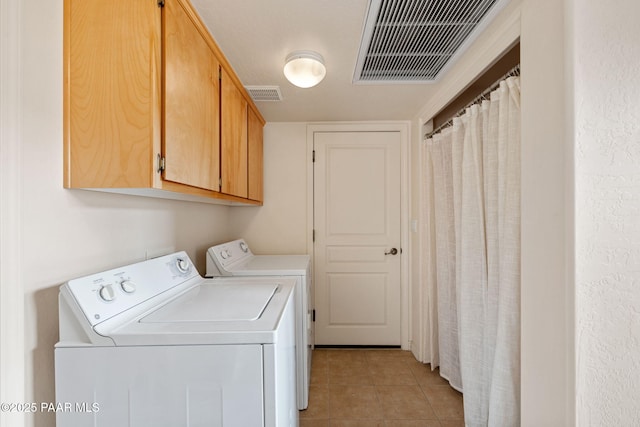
(404, 128)
(12, 323)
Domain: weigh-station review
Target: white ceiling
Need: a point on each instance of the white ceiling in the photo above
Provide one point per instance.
(257, 35)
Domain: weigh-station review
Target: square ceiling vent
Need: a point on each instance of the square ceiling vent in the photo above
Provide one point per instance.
(416, 41)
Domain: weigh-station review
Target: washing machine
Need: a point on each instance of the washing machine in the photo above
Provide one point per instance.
(236, 259)
(155, 344)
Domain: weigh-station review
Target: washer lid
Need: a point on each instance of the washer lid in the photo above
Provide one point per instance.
(208, 314)
(216, 303)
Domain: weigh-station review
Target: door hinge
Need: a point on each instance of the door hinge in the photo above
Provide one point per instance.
(313, 235)
(313, 315)
(219, 182)
(313, 156)
(160, 3)
(162, 163)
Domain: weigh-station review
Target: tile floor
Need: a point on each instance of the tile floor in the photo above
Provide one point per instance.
(378, 388)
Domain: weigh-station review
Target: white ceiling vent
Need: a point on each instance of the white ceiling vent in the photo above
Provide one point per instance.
(264, 93)
(416, 41)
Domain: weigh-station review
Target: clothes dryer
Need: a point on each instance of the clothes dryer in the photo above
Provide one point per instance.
(236, 259)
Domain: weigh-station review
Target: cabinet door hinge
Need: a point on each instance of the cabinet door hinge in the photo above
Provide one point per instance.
(313, 317)
(162, 163)
(160, 3)
(313, 235)
(313, 156)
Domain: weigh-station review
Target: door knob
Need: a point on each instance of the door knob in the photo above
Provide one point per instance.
(393, 251)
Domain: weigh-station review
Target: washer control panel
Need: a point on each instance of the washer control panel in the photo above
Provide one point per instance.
(103, 295)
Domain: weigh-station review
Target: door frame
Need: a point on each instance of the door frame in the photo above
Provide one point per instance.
(404, 128)
(12, 322)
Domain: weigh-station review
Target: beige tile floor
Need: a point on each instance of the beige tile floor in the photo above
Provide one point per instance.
(378, 388)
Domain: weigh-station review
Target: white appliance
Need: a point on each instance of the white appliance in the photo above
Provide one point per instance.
(236, 259)
(155, 344)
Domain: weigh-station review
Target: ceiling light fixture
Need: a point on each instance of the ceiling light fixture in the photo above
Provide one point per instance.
(304, 68)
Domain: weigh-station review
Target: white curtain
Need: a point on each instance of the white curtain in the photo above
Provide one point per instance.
(470, 240)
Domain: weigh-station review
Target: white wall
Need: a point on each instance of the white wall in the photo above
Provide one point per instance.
(67, 233)
(606, 65)
(280, 225)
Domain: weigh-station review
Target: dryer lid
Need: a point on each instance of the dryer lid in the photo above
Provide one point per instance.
(272, 265)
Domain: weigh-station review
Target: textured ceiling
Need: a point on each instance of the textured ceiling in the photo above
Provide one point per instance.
(257, 35)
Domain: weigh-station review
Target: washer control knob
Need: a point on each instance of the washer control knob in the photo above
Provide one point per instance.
(128, 286)
(183, 265)
(107, 293)
(244, 247)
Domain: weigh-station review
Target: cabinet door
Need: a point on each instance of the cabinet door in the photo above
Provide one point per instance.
(191, 109)
(255, 156)
(111, 92)
(234, 139)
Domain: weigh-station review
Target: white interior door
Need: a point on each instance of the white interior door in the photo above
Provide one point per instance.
(357, 230)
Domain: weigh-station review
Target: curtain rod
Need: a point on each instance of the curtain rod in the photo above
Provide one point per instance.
(515, 71)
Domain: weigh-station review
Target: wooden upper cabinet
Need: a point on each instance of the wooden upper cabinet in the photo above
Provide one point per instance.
(152, 107)
(191, 103)
(255, 161)
(234, 138)
(112, 91)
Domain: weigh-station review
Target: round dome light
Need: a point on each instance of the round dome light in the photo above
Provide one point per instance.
(304, 68)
